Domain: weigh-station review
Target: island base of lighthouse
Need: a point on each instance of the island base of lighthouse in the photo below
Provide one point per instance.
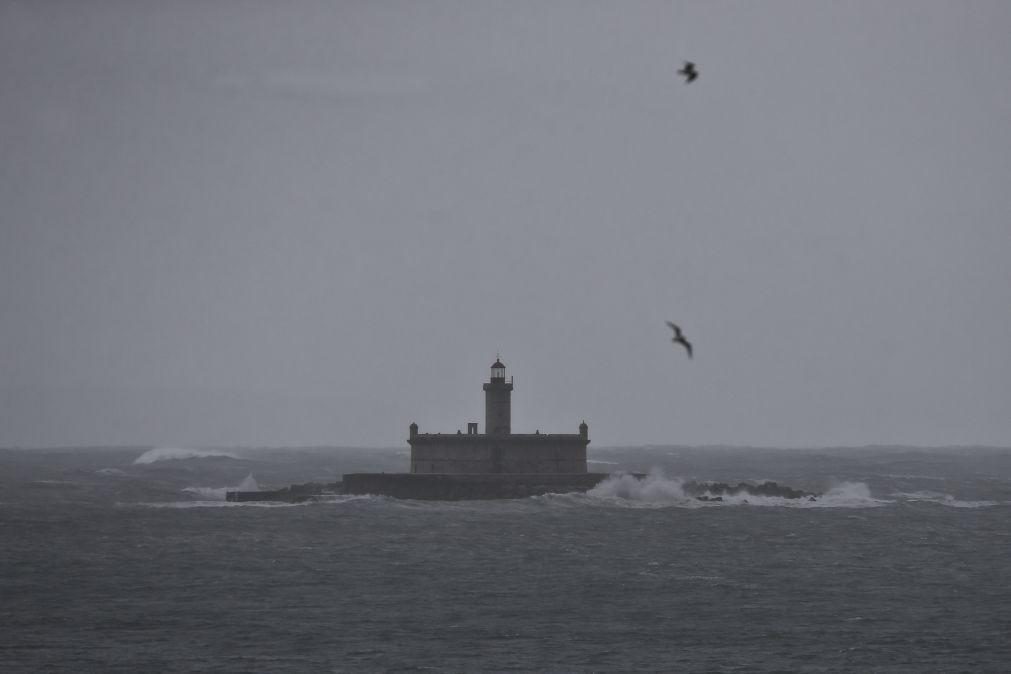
(458, 487)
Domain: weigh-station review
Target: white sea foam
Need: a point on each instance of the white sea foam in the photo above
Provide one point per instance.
(955, 503)
(178, 453)
(218, 493)
(847, 495)
(656, 490)
(919, 495)
(944, 499)
(652, 490)
(113, 472)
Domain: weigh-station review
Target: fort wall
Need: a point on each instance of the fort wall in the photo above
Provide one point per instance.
(498, 451)
(511, 454)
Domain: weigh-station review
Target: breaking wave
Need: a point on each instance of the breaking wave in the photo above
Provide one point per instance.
(653, 489)
(848, 495)
(656, 490)
(177, 453)
(218, 493)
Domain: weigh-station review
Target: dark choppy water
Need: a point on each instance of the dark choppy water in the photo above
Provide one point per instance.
(111, 565)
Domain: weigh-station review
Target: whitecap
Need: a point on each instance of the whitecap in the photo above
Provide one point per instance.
(179, 453)
(943, 499)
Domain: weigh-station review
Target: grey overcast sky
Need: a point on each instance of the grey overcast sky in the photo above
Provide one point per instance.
(288, 223)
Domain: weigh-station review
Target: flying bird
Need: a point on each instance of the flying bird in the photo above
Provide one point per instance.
(689, 72)
(678, 338)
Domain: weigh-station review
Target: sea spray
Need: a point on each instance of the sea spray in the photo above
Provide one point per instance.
(218, 493)
(655, 489)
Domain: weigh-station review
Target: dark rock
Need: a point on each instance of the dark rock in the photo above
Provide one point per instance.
(713, 489)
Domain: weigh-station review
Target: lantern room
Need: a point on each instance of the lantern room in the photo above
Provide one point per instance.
(497, 370)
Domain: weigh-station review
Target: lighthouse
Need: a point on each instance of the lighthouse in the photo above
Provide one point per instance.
(499, 451)
(498, 401)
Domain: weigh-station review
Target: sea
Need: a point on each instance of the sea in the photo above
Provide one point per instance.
(129, 559)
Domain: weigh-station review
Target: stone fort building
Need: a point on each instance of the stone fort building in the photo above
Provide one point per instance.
(498, 449)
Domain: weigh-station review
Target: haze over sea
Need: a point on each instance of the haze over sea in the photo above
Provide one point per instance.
(129, 559)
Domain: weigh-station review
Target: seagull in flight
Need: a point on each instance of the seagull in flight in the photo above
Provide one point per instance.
(678, 338)
(689, 72)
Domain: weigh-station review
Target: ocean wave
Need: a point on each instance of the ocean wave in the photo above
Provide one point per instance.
(219, 493)
(652, 490)
(943, 499)
(327, 500)
(656, 490)
(848, 495)
(179, 453)
(218, 504)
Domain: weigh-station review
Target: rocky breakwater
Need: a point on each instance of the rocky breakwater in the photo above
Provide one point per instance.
(719, 491)
(296, 493)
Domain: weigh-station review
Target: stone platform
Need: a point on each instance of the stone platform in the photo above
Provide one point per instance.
(456, 487)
